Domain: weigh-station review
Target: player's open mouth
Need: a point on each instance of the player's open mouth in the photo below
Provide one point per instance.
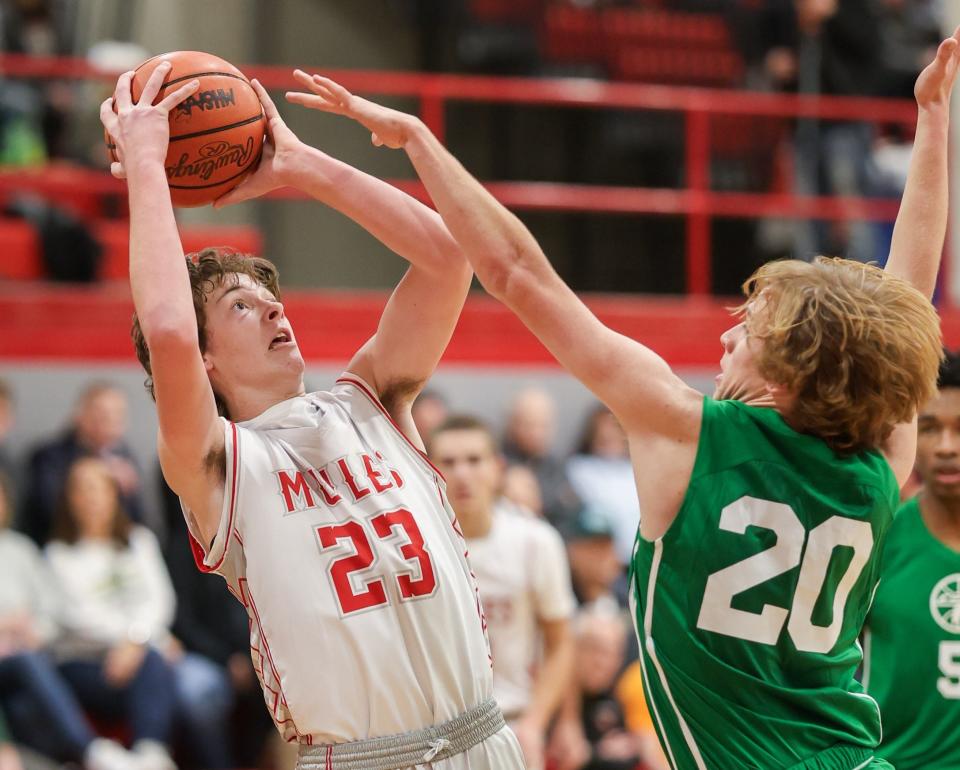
(283, 338)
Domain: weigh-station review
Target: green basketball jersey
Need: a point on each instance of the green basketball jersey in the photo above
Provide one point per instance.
(749, 608)
(912, 647)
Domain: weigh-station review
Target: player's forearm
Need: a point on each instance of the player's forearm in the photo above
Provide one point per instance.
(400, 222)
(922, 222)
(552, 685)
(158, 275)
(494, 241)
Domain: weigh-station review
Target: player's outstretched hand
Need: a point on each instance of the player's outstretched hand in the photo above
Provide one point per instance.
(278, 161)
(936, 81)
(388, 127)
(141, 130)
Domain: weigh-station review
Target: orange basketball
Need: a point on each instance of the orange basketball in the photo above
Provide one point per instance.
(216, 134)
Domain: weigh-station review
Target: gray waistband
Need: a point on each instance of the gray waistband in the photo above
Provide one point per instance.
(393, 752)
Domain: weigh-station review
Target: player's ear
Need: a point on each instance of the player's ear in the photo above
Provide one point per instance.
(207, 362)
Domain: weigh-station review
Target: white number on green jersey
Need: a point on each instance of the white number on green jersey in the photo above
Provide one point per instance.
(717, 613)
(949, 683)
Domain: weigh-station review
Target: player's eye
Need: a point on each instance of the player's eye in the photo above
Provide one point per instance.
(240, 304)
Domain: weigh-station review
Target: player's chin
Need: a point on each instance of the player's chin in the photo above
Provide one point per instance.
(287, 352)
(945, 490)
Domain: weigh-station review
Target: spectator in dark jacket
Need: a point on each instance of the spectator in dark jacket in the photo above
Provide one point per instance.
(528, 441)
(97, 430)
(832, 48)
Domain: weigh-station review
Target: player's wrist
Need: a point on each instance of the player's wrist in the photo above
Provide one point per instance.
(303, 167)
(416, 133)
(934, 111)
(143, 169)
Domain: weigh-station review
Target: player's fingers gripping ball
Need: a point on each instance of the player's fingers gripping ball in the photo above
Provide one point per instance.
(216, 134)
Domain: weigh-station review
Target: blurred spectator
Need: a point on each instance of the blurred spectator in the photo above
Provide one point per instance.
(610, 743)
(98, 428)
(602, 475)
(530, 432)
(117, 610)
(523, 579)
(33, 115)
(429, 410)
(821, 47)
(520, 487)
(598, 576)
(7, 468)
(9, 756)
(43, 711)
(838, 54)
(636, 714)
(909, 36)
(210, 623)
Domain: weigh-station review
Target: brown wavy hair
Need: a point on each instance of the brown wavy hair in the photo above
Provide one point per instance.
(65, 527)
(209, 269)
(859, 347)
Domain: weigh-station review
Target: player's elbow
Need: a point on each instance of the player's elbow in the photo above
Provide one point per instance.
(499, 274)
(163, 333)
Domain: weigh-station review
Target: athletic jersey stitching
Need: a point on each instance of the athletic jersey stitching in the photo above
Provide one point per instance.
(273, 666)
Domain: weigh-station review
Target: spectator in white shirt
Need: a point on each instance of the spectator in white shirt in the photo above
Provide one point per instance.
(523, 578)
(118, 608)
(602, 476)
(42, 710)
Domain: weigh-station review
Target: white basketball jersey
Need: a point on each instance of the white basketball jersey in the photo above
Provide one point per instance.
(524, 578)
(337, 537)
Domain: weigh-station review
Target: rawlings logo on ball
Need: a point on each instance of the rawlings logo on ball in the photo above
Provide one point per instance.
(206, 100)
(213, 157)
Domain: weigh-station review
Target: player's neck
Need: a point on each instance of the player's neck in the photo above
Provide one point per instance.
(942, 518)
(476, 525)
(245, 404)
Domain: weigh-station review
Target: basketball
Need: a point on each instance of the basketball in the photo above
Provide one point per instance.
(216, 134)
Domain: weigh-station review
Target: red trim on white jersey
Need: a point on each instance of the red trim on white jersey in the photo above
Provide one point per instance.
(358, 383)
(199, 555)
(279, 697)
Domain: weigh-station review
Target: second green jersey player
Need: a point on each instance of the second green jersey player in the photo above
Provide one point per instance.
(912, 638)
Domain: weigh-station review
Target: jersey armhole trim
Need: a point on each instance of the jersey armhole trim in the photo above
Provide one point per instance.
(199, 553)
(352, 379)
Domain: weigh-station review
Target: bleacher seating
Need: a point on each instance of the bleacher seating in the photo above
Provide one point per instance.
(114, 236)
(638, 44)
(21, 251)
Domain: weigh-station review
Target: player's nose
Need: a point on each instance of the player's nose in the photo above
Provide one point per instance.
(274, 310)
(949, 444)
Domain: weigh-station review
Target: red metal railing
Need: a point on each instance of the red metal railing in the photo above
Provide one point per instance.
(697, 202)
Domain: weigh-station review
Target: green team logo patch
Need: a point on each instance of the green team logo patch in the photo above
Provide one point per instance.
(945, 603)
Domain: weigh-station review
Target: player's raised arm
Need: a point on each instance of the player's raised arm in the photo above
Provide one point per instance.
(922, 220)
(632, 380)
(189, 428)
(420, 316)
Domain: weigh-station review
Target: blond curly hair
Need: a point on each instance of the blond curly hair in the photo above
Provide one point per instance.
(859, 347)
